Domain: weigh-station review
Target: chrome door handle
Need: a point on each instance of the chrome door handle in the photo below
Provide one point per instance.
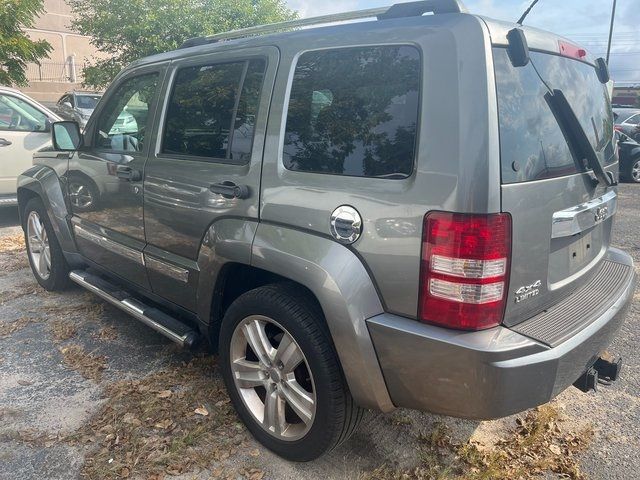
(230, 190)
(4, 142)
(127, 173)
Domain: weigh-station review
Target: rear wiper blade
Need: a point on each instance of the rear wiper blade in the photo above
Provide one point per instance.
(575, 134)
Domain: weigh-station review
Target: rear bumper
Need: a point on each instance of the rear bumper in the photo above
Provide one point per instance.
(492, 373)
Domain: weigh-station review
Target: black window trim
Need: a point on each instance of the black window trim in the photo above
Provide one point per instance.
(47, 117)
(246, 59)
(157, 69)
(285, 109)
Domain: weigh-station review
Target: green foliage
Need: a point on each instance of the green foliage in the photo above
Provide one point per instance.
(16, 49)
(126, 30)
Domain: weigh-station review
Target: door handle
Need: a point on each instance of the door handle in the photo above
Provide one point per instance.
(4, 142)
(127, 173)
(230, 190)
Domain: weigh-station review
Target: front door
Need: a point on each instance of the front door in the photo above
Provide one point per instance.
(23, 130)
(210, 141)
(105, 177)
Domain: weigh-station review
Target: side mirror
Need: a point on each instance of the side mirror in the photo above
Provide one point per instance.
(66, 136)
(66, 104)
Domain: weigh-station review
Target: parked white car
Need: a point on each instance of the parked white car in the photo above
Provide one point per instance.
(25, 127)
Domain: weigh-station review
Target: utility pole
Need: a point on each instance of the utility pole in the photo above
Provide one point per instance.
(613, 16)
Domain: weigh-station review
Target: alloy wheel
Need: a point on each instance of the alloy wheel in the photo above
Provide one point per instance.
(38, 242)
(635, 171)
(273, 377)
(80, 195)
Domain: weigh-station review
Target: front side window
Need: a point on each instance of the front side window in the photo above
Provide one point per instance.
(20, 116)
(123, 122)
(354, 111)
(212, 111)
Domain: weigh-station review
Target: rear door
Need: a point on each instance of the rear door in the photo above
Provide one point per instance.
(561, 218)
(209, 141)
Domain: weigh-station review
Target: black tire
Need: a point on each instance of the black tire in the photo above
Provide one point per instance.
(336, 416)
(58, 278)
(632, 165)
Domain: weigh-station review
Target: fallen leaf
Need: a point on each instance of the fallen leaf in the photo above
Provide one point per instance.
(555, 449)
(201, 410)
(165, 394)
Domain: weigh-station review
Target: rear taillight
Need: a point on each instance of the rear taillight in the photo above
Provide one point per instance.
(464, 274)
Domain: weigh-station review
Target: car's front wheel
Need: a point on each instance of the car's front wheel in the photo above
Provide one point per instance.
(45, 255)
(633, 171)
(283, 375)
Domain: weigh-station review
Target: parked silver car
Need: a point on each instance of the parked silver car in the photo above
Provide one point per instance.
(413, 211)
(77, 106)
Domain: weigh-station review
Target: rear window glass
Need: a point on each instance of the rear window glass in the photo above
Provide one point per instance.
(532, 145)
(212, 111)
(354, 111)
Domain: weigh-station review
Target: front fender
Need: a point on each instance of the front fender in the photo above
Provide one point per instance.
(338, 279)
(45, 183)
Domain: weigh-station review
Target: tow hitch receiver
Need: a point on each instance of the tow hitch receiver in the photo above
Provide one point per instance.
(603, 372)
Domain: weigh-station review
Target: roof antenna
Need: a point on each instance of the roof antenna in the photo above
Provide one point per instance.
(526, 12)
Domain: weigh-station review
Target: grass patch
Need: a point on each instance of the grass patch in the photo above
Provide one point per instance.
(537, 446)
(149, 428)
(88, 365)
(87, 312)
(12, 243)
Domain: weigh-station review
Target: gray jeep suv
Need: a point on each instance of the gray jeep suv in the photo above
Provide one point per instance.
(413, 211)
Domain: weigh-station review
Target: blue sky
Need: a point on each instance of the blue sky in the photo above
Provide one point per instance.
(584, 21)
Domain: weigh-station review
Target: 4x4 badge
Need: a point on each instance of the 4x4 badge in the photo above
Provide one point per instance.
(528, 291)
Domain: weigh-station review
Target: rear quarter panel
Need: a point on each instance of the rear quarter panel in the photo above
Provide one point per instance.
(457, 135)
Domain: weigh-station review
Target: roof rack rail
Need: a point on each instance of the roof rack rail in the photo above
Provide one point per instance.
(399, 10)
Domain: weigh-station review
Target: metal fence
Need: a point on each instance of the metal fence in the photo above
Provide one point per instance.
(54, 72)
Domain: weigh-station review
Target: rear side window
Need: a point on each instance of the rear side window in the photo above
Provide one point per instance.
(212, 111)
(354, 111)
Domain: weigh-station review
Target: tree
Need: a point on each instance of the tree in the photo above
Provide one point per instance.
(16, 49)
(125, 30)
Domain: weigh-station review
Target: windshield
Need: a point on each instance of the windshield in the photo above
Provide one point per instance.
(532, 145)
(87, 102)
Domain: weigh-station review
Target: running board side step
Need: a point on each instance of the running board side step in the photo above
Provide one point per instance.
(175, 330)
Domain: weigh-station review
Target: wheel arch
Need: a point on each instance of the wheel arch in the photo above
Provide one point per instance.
(43, 182)
(340, 283)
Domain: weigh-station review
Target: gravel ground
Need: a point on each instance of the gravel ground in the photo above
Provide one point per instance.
(45, 397)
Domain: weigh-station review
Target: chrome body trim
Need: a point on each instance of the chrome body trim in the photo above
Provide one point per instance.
(167, 269)
(108, 244)
(584, 216)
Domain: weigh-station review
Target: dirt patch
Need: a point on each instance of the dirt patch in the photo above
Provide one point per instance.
(88, 365)
(10, 328)
(106, 334)
(62, 330)
(19, 291)
(538, 445)
(170, 422)
(87, 311)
